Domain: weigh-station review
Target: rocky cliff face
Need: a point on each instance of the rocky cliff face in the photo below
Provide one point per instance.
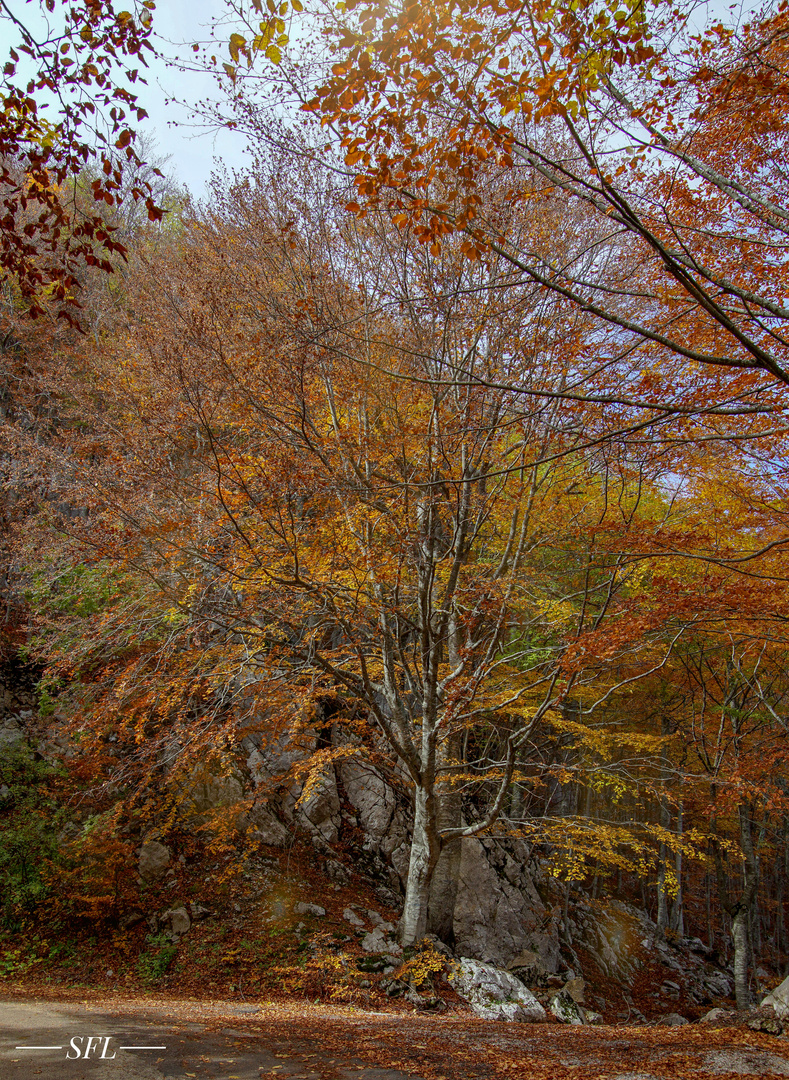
(509, 912)
(498, 910)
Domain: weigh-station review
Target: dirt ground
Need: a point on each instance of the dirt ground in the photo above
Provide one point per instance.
(298, 1041)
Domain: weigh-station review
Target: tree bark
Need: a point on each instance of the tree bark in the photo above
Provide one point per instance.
(446, 876)
(662, 899)
(677, 920)
(740, 910)
(739, 936)
(443, 892)
(424, 856)
(665, 823)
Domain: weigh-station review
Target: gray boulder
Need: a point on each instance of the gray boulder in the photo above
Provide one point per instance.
(768, 1025)
(379, 942)
(379, 921)
(714, 1016)
(199, 911)
(496, 919)
(673, 1020)
(11, 733)
(176, 920)
(336, 872)
(566, 1010)
(716, 983)
(778, 1000)
(153, 861)
(494, 994)
(308, 909)
(527, 966)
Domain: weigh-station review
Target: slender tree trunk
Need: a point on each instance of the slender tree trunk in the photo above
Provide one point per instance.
(739, 936)
(779, 911)
(444, 890)
(756, 928)
(665, 823)
(677, 921)
(662, 899)
(784, 879)
(446, 876)
(424, 856)
(708, 908)
(740, 910)
(516, 802)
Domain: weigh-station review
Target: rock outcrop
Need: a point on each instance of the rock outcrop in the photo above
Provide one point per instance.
(621, 939)
(499, 914)
(494, 994)
(507, 911)
(12, 732)
(153, 861)
(566, 1010)
(175, 921)
(778, 1000)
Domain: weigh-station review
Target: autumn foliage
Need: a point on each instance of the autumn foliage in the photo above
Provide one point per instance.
(474, 470)
(76, 63)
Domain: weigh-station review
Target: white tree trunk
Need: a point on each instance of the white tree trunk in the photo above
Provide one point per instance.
(677, 918)
(424, 856)
(739, 934)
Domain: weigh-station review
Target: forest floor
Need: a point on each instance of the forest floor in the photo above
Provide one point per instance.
(298, 1040)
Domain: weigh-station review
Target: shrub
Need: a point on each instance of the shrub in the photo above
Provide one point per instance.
(30, 821)
(152, 964)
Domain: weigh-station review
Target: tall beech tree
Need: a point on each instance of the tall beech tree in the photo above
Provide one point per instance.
(309, 452)
(462, 465)
(674, 142)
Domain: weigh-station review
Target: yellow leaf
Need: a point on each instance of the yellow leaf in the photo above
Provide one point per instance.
(236, 42)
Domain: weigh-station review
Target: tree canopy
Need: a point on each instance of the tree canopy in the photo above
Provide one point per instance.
(451, 438)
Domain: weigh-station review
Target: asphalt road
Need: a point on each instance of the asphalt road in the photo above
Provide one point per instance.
(72, 1042)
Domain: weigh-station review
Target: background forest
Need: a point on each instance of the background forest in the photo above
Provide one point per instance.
(438, 462)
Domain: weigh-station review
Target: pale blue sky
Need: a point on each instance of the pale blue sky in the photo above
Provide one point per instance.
(172, 94)
(177, 128)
